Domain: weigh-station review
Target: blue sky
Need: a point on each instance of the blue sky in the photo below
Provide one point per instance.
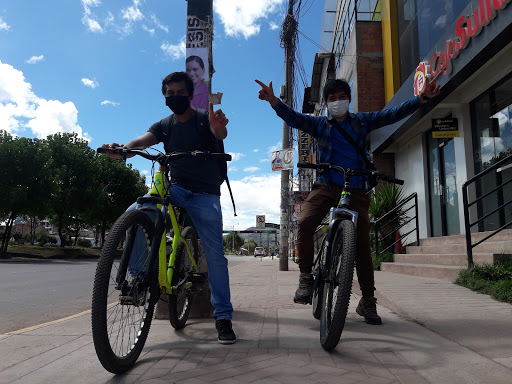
(95, 67)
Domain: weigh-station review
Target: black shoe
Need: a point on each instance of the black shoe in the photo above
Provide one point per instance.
(303, 293)
(226, 334)
(367, 308)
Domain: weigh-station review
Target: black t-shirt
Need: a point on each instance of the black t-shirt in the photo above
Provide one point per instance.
(197, 175)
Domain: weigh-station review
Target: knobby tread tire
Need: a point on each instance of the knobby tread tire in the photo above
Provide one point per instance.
(178, 314)
(100, 332)
(334, 313)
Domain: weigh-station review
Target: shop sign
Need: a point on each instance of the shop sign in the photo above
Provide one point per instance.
(304, 147)
(445, 128)
(466, 27)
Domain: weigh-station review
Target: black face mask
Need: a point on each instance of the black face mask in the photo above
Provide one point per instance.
(177, 103)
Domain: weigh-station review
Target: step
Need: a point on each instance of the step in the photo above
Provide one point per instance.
(444, 272)
(504, 235)
(504, 247)
(456, 259)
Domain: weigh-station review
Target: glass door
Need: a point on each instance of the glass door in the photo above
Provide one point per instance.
(444, 197)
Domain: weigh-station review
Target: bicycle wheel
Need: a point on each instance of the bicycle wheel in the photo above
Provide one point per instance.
(318, 293)
(338, 286)
(180, 303)
(122, 310)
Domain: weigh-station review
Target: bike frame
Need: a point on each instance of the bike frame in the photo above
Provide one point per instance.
(336, 215)
(160, 195)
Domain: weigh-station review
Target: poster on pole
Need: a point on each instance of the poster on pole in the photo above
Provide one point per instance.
(282, 160)
(198, 63)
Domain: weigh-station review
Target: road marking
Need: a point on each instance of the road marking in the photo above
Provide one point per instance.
(45, 324)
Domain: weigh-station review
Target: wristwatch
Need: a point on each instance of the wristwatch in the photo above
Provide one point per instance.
(424, 97)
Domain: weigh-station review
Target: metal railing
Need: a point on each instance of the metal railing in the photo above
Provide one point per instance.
(382, 222)
(467, 223)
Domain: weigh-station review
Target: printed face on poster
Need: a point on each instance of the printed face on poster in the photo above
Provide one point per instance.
(196, 66)
(282, 160)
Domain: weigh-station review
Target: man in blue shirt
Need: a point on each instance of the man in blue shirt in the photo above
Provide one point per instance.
(333, 148)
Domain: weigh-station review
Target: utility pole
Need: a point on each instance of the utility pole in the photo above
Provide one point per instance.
(288, 32)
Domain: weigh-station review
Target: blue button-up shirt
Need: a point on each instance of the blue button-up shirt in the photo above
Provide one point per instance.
(357, 125)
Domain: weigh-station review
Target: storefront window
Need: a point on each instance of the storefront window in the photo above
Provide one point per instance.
(492, 140)
(421, 24)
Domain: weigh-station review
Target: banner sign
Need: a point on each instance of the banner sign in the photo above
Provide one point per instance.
(445, 128)
(198, 63)
(282, 160)
(304, 147)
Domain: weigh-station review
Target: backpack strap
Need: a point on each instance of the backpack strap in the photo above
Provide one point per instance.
(224, 166)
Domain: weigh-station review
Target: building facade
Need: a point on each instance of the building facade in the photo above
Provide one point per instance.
(468, 43)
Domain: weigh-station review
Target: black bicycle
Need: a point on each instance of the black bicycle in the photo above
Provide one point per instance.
(333, 267)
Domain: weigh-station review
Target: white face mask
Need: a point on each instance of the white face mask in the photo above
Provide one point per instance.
(338, 108)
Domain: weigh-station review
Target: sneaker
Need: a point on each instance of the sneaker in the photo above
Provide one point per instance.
(367, 308)
(225, 330)
(303, 293)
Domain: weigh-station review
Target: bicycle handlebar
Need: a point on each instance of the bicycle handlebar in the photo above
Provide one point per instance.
(353, 172)
(164, 158)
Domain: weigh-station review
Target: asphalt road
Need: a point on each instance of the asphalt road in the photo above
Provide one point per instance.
(34, 291)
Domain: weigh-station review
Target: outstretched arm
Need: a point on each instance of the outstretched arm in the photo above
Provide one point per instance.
(292, 118)
(144, 141)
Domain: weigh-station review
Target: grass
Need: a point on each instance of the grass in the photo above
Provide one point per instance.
(383, 258)
(493, 280)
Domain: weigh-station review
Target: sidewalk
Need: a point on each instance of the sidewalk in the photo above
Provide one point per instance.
(455, 336)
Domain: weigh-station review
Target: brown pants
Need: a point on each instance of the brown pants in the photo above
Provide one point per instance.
(320, 200)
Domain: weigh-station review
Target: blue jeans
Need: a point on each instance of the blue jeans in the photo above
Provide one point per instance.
(205, 211)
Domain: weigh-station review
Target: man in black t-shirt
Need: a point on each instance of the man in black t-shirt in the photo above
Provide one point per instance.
(195, 183)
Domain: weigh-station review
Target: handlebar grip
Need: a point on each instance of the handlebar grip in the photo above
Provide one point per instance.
(393, 180)
(102, 150)
(306, 165)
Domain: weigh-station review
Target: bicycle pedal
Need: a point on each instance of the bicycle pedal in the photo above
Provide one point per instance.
(303, 302)
(126, 300)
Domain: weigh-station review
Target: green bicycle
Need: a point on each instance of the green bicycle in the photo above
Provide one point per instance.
(150, 251)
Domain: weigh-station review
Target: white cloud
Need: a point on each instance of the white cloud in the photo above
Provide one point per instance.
(273, 26)
(88, 18)
(90, 83)
(4, 25)
(20, 108)
(133, 12)
(35, 59)
(151, 31)
(175, 52)
(251, 169)
(254, 195)
(108, 102)
(242, 17)
(158, 24)
(256, 150)
(236, 156)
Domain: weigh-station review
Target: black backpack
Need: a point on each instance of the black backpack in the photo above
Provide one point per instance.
(216, 146)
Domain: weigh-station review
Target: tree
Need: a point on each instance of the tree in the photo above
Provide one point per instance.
(118, 186)
(232, 239)
(73, 184)
(24, 187)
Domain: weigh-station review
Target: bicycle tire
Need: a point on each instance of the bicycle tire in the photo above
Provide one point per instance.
(180, 303)
(338, 286)
(316, 300)
(113, 321)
